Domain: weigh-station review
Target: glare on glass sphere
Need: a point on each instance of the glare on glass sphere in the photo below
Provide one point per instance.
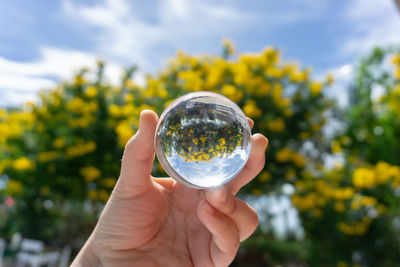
(203, 140)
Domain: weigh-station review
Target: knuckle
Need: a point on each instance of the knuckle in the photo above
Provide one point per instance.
(230, 207)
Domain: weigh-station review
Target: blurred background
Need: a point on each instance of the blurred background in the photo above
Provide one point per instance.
(321, 79)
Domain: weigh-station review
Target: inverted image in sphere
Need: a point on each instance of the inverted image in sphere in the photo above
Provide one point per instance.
(203, 140)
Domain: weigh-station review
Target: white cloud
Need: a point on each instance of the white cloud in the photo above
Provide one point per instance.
(52, 61)
(372, 23)
(122, 35)
(20, 81)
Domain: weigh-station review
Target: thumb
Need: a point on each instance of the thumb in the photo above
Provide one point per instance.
(137, 161)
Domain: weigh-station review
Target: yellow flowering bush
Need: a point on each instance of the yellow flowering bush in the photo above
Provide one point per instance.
(353, 207)
(67, 147)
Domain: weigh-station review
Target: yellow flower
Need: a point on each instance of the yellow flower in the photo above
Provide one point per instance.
(339, 206)
(251, 59)
(92, 194)
(23, 164)
(90, 173)
(363, 177)
(124, 132)
(356, 203)
(257, 192)
(228, 46)
(215, 74)
(264, 176)
(298, 77)
(14, 187)
(271, 54)
(368, 201)
(335, 146)
(315, 127)
(76, 105)
(304, 135)
(128, 97)
(59, 142)
(167, 103)
(91, 92)
(129, 110)
(162, 92)
(307, 174)
(109, 182)
(315, 88)
(298, 160)
(3, 114)
(290, 174)
(396, 59)
(115, 110)
(282, 102)
(232, 92)
(274, 72)
(81, 149)
(343, 193)
(263, 89)
(251, 110)
(191, 80)
(345, 140)
(48, 156)
(396, 73)
(288, 112)
(385, 172)
(103, 195)
(342, 264)
(284, 155)
(307, 202)
(82, 122)
(79, 80)
(276, 125)
(329, 79)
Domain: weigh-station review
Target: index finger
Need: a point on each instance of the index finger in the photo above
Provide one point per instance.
(254, 164)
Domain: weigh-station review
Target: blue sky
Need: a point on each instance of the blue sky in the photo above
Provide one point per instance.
(42, 42)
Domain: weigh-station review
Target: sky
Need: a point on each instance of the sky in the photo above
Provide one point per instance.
(44, 42)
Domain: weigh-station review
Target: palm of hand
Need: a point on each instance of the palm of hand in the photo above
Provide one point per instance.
(157, 225)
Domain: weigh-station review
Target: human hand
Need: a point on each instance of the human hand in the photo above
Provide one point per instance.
(159, 222)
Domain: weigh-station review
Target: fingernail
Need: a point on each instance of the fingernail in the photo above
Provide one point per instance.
(140, 119)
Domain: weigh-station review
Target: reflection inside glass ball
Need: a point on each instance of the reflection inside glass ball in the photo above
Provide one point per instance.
(203, 140)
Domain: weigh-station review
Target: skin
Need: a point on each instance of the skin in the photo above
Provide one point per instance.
(158, 222)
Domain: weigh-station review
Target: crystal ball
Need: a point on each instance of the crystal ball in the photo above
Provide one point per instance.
(203, 140)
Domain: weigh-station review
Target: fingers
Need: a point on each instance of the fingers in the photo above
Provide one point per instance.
(251, 122)
(225, 237)
(254, 164)
(244, 216)
(138, 157)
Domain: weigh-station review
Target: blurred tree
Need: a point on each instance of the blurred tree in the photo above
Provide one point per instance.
(62, 154)
(350, 212)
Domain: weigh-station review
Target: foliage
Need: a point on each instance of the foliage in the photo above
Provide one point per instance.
(67, 148)
(351, 211)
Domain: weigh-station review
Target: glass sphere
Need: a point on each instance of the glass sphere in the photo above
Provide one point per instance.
(203, 140)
